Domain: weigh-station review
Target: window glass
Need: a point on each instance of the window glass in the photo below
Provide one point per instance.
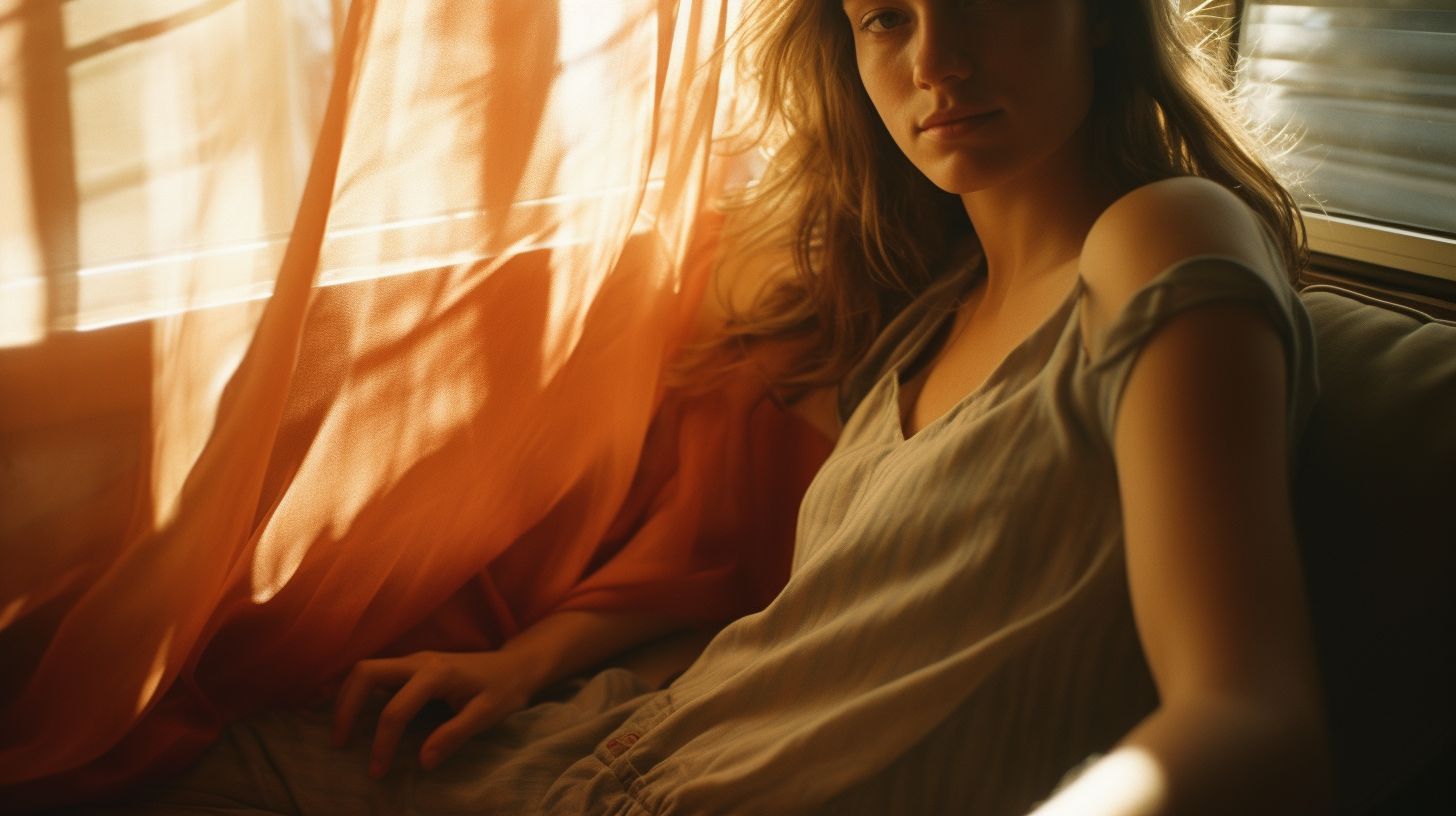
(1369, 87)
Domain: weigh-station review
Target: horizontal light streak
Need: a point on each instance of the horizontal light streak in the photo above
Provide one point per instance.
(121, 292)
(654, 185)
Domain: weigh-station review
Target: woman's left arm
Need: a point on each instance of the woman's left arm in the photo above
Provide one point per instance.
(1214, 574)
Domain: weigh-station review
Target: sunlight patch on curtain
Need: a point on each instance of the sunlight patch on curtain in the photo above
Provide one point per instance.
(22, 301)
(193, 126)
(185, 130)
(158, 670)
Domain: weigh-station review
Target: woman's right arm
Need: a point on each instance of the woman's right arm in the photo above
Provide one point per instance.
(485, 687)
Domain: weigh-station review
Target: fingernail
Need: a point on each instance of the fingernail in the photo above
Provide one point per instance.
(376, 768)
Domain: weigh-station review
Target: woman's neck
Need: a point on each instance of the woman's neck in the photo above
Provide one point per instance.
(1035, 223)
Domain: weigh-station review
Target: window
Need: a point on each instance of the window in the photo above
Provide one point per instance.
(151, 154)
(1369, 87)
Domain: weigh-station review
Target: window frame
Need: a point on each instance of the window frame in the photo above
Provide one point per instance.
(1386, 246)
(1380, 257)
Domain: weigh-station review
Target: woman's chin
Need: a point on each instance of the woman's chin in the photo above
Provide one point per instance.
(961, 174)
(964, 182)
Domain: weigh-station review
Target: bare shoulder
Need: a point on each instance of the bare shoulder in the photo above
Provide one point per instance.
(1159, 224)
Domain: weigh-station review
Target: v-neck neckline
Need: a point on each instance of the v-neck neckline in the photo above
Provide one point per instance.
(998, 373)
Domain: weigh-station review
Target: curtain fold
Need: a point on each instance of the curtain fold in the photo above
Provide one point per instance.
(423, 415)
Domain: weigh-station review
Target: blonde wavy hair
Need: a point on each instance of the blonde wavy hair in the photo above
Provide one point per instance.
(851, 231)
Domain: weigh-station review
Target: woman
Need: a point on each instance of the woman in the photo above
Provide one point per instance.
(1039, 296)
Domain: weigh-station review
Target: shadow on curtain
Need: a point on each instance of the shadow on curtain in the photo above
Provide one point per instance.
(332, 332)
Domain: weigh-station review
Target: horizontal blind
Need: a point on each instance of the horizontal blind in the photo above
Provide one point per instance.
(1369, 87)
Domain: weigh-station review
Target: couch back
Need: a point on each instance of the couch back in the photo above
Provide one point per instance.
(1375, 503)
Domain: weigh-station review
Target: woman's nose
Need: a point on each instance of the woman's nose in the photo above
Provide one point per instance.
(941, 55)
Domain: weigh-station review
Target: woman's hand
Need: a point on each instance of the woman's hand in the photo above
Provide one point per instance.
(483, 687)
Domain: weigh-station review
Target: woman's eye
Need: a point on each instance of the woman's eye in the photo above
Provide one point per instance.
(884, 20)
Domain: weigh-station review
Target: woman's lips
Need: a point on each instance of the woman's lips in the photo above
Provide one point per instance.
(960, 126)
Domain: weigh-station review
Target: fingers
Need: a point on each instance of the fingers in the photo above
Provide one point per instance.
(420, 678)
(366, 676)
(420, 689)
(480, 713)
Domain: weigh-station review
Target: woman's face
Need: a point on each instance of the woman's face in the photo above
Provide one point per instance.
(975, 91)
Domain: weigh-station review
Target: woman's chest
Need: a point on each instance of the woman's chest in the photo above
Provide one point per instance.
(981, 477)
(969, 353)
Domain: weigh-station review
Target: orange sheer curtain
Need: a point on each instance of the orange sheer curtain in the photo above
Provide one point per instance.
(333, 329)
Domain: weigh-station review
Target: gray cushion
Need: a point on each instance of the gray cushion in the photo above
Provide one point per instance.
(1375, 501)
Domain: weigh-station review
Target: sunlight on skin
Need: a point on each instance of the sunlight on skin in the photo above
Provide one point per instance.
(1126, 782)
(158, 670)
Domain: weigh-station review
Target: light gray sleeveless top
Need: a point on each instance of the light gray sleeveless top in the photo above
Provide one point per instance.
(957, 631)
